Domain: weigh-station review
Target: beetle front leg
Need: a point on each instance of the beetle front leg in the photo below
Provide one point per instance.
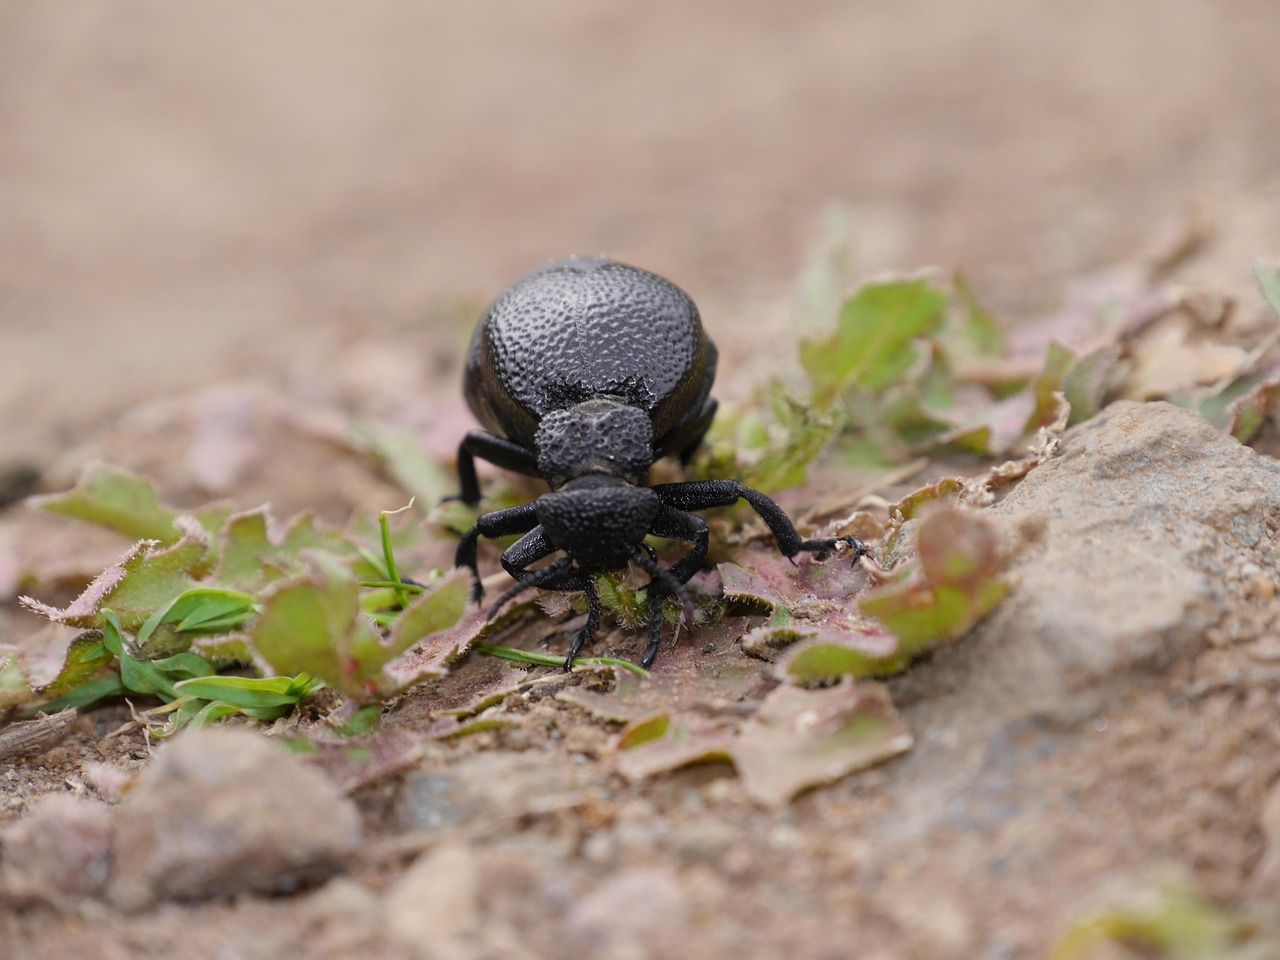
(593, 620)
(678, 525)
(498, 451)
(500, 523)
(705, 494)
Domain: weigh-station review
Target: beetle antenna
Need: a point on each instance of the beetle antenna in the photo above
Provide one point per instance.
(664, 579)
(535, 579)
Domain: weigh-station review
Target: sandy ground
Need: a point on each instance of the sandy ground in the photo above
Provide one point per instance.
(191, 190)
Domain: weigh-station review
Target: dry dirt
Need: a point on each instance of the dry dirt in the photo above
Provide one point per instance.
(309, 201)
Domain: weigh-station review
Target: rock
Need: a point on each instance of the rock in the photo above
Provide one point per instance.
(606, 923)
(1127, 549)
(1138, 525)
(224, 811)
(435, 905)
(59, 852)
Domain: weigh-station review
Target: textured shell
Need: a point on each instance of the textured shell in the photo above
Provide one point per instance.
(581, 328)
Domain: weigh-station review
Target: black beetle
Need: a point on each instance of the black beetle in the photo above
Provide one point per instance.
(586, 371)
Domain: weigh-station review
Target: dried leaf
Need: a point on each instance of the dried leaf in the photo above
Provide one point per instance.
(805, 738)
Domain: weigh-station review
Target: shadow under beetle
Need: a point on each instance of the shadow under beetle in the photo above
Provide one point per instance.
(585, 372)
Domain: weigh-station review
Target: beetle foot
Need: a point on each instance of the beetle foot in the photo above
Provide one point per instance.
(821, 549)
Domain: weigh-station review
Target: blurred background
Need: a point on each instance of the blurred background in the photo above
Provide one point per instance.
(195, 191)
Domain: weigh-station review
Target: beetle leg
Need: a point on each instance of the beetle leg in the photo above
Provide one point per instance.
(703, 425)
(549, 574)
(588, 587)
(655, 634)
(500, 523)
(678, 525)
(529, 549)
(704, 494)
(497, 450)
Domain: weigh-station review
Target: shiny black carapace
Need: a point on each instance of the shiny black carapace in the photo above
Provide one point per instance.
(585, 372)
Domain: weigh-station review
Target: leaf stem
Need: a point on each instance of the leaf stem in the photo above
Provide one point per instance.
(384, 525)
(551, 660)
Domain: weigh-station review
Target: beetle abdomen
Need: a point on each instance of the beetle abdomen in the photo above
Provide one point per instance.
(582, 328)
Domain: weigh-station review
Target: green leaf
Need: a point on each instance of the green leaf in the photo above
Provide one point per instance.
(1268, 277)
(980, 334)
(15, 686)
(310, 626)
(118, 500)
(535, 659)
(1057, 364)
(871, 347)
(1250, 412)
(1176, 925)
(1088, 381)
(251, 556)
(433, 611)
(86, 658)
(87, 694)
(833, 658)
(256, 693)
(184, 666)
(958, 582)
(143, 580)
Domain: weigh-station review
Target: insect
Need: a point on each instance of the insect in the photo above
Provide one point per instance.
(585, 372)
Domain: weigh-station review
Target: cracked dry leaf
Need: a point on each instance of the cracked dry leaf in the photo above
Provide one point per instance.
(1169, 357)
(807, 738)
(797, 740)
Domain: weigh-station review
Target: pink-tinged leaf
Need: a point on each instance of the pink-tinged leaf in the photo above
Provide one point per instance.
(1252, 411)
(15, 684)
(806, 738)
(826, 654)
(143, 580)
(955, 547)
(958, 581)
(765, 575)
(704, 670)
(944, 489)
(433, 656)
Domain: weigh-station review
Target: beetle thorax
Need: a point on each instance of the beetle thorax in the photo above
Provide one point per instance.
(603, 436)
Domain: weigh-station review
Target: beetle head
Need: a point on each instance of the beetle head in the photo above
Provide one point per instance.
(601, 436)
(599, 521)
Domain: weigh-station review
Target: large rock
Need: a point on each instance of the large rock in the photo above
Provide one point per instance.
(1141, 538)
(223, 811)
(58, 853)
(1131, 543)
